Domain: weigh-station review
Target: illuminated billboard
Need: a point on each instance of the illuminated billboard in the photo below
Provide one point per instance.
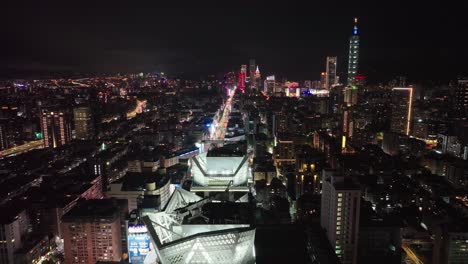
(138, 244)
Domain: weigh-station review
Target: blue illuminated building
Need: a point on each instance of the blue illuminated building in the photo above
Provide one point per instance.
(353, 54)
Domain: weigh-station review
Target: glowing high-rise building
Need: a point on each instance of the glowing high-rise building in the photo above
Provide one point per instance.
(461, 99)
(353, 60)
(331, 78)
(339, 214)
(3, 137)
(350, 95)
(252, 68)
(56, 128)
(323, 77)
(269, 85)
(242, 77)
(258, 78)
(83, 122)
(402, 104)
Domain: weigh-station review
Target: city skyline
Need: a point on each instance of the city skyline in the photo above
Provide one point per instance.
(145, 133)
(201, 40)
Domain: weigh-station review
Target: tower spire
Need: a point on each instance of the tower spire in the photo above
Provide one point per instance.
(353, 54)
(355, 29)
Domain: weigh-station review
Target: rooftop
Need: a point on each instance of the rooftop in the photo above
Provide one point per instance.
(92, 210)
(229, 150)
(136, 181)
(11, 210)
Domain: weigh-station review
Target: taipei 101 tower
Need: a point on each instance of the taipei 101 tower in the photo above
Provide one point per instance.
(353, 54)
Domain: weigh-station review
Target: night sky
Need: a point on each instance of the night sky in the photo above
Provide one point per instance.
(420, 41)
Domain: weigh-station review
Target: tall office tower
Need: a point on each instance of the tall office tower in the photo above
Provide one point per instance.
(56, 128)
(339, 215)
(323, 78)
(92, 232)
(269, 86)
(353, 60)
(461, 99)
(252, 68)
(3, 137)
(350, 95)
(348, 123)
(402, 103)
(258, 78)
(13, 228)
(84, 127)
(242, 77)
(331, 72)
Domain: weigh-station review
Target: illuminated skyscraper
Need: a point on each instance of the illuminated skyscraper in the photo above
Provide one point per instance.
(339, 215)
(258, 78)
(269, 86)
(323, 78)
(83, 122)
(350, 95)
(353, 60)
(252, 68)
(402, 104)
(331, 78)
(461, 99)
(3, 137)
(55, 128)
(241, 78)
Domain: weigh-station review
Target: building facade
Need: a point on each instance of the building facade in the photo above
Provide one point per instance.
(3, 137)
(92, 232)
(252, 68)
(402, 108)
(353, 59)
(461, 99)
(84, 128)
(56, 128)
(339, 215)
(12, 230)
(331, 78)
(216, 174)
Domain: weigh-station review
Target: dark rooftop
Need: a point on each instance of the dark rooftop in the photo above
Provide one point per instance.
(90, 210)
(11, 210)
(229, 150)
(135, 181)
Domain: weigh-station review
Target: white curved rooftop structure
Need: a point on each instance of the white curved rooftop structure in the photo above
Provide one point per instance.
(218, 173)
(175, 243)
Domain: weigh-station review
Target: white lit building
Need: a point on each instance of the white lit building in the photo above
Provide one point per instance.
(174, 242)
(216, 174)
